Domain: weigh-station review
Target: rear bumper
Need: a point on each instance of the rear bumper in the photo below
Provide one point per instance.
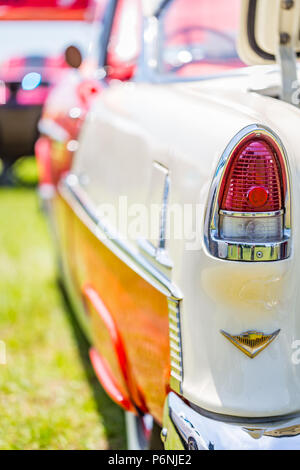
(184, 427)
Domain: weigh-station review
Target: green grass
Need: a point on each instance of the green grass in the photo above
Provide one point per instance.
(25, 171)
(49, 396)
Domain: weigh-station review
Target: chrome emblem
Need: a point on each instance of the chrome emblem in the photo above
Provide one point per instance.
(251, 342)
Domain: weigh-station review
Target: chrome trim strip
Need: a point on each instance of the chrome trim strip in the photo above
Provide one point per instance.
(69, 188)
(164, 212)
(174, 328)
(159, 255)
(251, 214)
(240, 251)
(183, 427)
(244, 251)
(175, 345)
(175, 338)
(173, 308)
(172, 317)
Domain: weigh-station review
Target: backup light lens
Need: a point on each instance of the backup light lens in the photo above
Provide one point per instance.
(249, 229)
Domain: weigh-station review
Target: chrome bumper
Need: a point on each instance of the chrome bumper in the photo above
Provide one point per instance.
(185, 428)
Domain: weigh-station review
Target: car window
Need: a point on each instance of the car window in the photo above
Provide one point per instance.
(125, 40)
(198, 37)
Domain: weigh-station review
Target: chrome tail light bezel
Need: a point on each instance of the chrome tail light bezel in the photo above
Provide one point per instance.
(256, 251)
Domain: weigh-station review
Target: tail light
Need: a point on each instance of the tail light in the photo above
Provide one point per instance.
(248, 218)
(88, 90)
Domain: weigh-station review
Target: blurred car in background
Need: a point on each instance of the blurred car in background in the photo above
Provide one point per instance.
(212, 44)
(70, 99)
(33, 38)
(43, 9)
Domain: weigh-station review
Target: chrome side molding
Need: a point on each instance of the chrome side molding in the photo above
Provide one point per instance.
(176, 361)
(77, 198)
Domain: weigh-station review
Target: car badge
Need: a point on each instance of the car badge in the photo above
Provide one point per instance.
(251, 342)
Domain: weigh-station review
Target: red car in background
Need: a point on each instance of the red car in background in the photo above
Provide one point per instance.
(32, 60)
(43, 9)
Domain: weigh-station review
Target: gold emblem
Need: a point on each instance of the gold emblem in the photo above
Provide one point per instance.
(251, 342)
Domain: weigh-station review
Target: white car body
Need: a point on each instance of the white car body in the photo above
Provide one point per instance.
(217, 295)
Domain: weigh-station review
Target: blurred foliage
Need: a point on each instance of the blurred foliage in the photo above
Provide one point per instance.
(25, 171)
(49, 395)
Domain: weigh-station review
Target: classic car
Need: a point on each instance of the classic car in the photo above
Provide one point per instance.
(32, 60)
(43, 9)
(177, 222)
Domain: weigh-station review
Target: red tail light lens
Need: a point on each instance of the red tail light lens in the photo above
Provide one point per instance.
(88, 90)
(253, 180)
